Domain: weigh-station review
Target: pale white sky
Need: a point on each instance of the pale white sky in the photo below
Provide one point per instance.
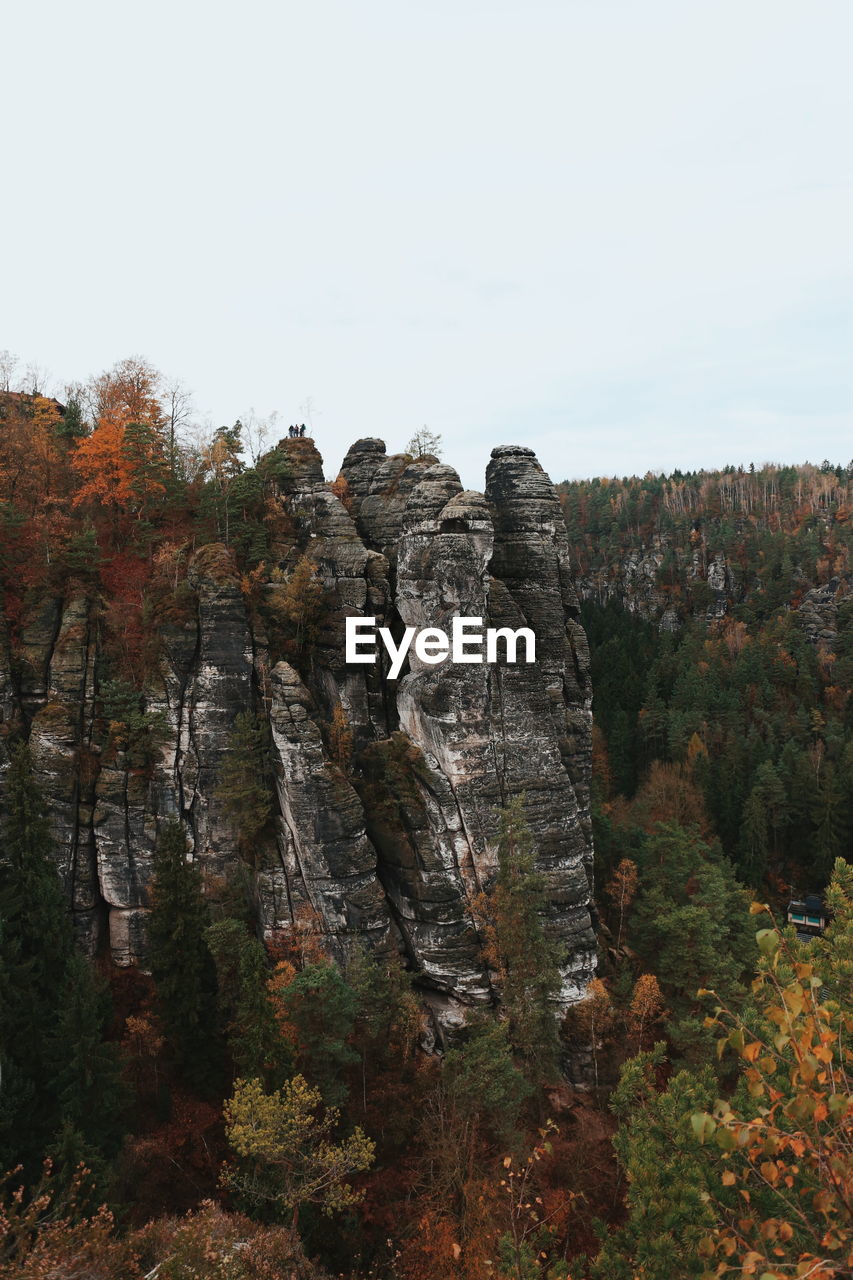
(616, 230)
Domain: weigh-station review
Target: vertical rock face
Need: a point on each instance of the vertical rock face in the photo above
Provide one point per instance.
(205, 681)
(532, 560)
(385, 795)
(329, 862)
(220, 689)
(493, 732)
(62, 703)
(9, 709)
(482, 734)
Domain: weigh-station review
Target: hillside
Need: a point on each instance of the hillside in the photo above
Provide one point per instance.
(720, 612)
(744, 543)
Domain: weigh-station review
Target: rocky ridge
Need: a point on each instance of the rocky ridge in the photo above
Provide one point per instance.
(391, 842)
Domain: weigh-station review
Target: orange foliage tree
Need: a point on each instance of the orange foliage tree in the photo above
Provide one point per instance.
(621, 891)
(122, 465)
(785, 1200)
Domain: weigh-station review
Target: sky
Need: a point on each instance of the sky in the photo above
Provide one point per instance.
(619, 232)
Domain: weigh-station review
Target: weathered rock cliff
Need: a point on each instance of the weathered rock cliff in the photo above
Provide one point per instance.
(386, 832)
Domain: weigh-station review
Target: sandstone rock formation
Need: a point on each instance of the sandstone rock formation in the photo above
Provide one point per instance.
(386, 833)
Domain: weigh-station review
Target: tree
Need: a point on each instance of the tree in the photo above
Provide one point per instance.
(756, 1182)
(520, 1249)
(828, 817)
(122, 465)
(72, 426)
(32, 468)
(60, 1087)
(472, 1111)
(765, 810)
(287, 1158)
(424, 443)
(666, 1190)
(782, 1148)
(135, 730)
(591, 1020)
(8, 365)
(223, 462)
(255, 1042)
(35, 946)
(527, 959)
(621, 890)
(690, 926)
(645, 1008)
(119, 470)
(54, 1231)
(243, 789)
(388, 1015)
(387, 1027)
(178, 402)
(180, 960)
(88, 1082)
(301, 602)
(834, 951)
(129, 392)
(321, 1007)
(340, 737)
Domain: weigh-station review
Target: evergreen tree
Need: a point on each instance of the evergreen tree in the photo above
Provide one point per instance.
(255, 1042)
(321, 1005)
(527, 959)
(387, 1013)
(828, 821)
(481, 1080)
(72, 425)
(36, 943)
(834, 951)
(243, 789)
(691, 926)
(181, 962)
(88, 1080)
(755, 837)
(667, 1178)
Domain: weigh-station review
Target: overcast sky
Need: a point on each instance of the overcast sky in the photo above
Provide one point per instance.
(619, 232)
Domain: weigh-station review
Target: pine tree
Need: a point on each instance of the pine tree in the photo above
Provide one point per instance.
(286, 1156)
(72, 426)
(321, 1005)
(243, 789)
(527, 958)
(36, 943)
(690, 927)
(181, 962)
(255, 1043)
(834, 951)
(88, 1081)
(666, 1176)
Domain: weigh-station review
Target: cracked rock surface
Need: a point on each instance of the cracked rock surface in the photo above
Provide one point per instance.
(384, 795)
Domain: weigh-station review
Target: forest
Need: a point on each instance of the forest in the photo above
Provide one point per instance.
(245, 1106)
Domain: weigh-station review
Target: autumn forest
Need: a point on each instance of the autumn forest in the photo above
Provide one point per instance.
(193, 1087)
